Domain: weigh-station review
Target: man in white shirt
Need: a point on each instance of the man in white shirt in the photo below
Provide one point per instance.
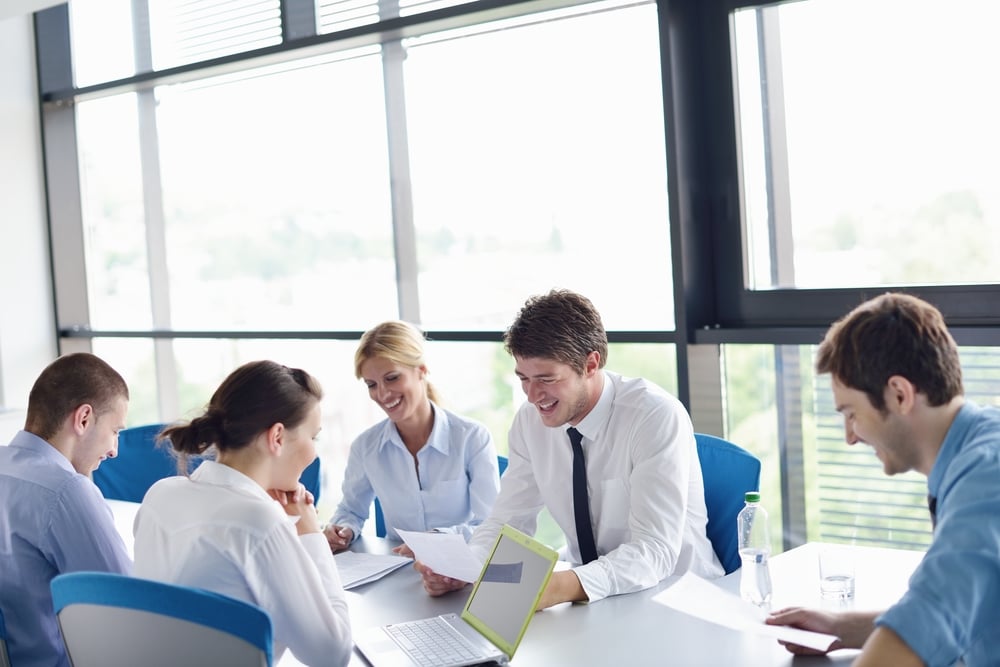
(643, 515)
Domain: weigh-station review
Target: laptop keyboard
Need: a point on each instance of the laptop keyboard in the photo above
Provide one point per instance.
(432, 641)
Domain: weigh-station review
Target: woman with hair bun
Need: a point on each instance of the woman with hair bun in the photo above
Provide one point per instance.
(242, 525)
(430, 468)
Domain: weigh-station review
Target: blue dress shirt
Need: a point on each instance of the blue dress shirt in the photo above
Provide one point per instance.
(458, 479)
(952, 607)
(53, 520)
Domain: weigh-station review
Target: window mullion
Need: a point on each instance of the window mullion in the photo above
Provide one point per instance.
(156, 240)
(404, 231)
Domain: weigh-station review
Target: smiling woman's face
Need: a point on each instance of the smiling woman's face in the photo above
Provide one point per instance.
(399, 390)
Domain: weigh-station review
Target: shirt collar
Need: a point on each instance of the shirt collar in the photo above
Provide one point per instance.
(218, 474)
(45, 449)
(438, 438)
(953, 441)
(595, 421)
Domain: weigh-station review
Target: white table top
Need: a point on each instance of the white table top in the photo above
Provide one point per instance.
(633, 630)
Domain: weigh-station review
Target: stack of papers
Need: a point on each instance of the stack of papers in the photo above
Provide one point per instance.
(360, 568)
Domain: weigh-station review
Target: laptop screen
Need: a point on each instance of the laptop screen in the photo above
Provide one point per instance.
(504, 599)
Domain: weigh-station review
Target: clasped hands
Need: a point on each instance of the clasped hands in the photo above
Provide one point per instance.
(298, 502)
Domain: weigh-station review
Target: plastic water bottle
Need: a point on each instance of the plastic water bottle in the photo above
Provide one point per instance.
(755, 548)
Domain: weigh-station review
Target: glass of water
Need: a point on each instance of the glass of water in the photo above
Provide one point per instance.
(836, 573)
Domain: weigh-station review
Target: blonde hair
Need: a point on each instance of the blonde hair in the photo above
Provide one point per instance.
(396, 341)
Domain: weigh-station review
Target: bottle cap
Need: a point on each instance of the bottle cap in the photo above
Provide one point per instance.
(752, 496)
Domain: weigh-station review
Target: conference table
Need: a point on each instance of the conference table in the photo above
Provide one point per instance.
(632, 629)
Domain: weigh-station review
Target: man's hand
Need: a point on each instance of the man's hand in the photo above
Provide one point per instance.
(851, 628)
(339, 537)
(436, 584)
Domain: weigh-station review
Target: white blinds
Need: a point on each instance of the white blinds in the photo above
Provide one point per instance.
(188, 31)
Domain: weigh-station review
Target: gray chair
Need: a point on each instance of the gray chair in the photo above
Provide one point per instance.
(112, 619)
(728, 471)
(4, 657)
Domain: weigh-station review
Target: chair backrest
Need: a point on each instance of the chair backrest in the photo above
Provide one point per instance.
(728, 471)
(112, 619)
(4, 656)
(380, 518)
(311, 478)
(141, 462)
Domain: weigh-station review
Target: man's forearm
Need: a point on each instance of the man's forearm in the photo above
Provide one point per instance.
(854, 627)
(563, 586)
(885, 647)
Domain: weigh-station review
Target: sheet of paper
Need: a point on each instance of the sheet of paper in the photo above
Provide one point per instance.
(360, 568)
(445, 553)
(693, 595)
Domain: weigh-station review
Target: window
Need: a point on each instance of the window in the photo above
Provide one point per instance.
(113, 213)
(442, 161)
(537, 162)
(848, 497)
(869, 143)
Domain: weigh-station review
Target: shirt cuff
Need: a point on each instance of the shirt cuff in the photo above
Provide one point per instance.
(593, 579)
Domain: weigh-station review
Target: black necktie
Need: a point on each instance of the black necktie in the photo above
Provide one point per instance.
(932, 506)
(581, 503)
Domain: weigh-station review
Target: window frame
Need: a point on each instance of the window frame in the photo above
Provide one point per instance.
(713, 306)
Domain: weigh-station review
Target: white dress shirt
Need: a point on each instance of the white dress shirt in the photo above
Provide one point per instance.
(220, 531)
(647, 501)
(455, 491)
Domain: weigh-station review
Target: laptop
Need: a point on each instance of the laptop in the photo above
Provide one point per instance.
(490, 626)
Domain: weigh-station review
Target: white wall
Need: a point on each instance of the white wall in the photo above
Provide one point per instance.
(9, 8)
(27, 326)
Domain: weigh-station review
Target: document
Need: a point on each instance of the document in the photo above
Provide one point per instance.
(360, 568)
(445, 553)
(695, 596)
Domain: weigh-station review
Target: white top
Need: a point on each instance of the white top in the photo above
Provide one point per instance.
(456, 488)
(220, 531)
(647, 501)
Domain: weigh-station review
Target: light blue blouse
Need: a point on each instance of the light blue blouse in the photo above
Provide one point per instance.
(952, 607)
(459, 478)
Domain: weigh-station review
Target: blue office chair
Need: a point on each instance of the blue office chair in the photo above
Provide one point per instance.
(4, 656)
(380, 518)
(311, 479)
(141, 462)
(112, 619)
(728, 471)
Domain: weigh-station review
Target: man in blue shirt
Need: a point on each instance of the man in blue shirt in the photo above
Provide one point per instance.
(898, 383)
(52, 517)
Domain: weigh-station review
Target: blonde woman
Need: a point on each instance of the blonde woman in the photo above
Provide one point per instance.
(430, 468)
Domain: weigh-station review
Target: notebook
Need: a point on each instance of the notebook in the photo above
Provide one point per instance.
(491, 625)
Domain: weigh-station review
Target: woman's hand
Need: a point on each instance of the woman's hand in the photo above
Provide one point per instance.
(298, 503)
(403, 550)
